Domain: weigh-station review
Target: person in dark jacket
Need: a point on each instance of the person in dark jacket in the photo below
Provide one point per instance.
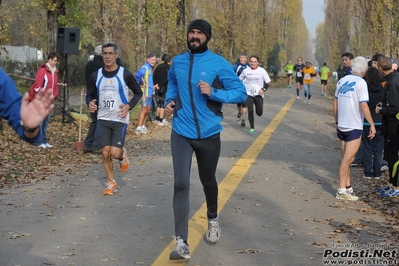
(160, 78)
(200, 81)
(92, 141)
(374, 146)
(347, 60)
(389, 108)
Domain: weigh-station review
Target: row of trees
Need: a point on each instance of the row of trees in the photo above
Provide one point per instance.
(272, 29)
(362, 27)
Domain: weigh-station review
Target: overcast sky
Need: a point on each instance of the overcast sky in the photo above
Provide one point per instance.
(313, 14)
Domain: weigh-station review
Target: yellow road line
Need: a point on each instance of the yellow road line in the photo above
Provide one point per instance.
(198, 223)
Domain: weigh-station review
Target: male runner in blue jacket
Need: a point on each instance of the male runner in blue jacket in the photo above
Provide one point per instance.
(199, 83)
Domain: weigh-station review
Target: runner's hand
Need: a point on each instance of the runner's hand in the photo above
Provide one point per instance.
(123, 110)
(204, 87)
(93, 106)
(169, 108)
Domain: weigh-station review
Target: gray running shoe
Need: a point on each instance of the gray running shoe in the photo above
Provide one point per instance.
(213, 232)
(346, 196)
(181, 251)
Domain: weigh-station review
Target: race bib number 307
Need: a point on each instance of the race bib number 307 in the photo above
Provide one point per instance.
(108, 100)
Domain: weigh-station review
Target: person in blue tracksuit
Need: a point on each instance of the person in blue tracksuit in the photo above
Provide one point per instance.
(25, 117)
(200, 81)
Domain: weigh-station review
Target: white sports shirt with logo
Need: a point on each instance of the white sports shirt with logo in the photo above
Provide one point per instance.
(112, 93)
(253, 80)
(351, 91)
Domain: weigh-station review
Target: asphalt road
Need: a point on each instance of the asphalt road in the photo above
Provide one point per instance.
(277, 200)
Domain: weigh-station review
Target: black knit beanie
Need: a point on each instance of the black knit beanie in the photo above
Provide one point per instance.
(202, 25)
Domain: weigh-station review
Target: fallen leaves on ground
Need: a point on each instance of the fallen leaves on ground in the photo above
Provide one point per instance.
(370, 203)
(24, 163)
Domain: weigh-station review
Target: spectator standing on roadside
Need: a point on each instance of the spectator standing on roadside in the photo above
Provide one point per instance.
(389, 108)
(200, 81)
(160, 78)
(358, 161)
(372, 148)
(47, 78)
(374, 63)
(144, 77)
(339, 72)
(274, 70)
(347, 70)
(374, 60)
(350, 108)
(395, 64)
(92, 141)
(347, 60)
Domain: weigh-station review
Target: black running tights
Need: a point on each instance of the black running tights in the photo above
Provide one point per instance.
(207, 153)
(258, 102)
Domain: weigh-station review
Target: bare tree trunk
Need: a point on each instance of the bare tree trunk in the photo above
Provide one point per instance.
(52, 27)
(141, 33)
(181, 21)
(52, 31)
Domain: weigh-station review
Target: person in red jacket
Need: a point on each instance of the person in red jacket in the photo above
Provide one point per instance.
(47, 78)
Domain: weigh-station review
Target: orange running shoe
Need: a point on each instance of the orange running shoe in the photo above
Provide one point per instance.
(124, 163)
(110, 188)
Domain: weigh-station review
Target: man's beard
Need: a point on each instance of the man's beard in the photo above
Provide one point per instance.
(197, 49)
